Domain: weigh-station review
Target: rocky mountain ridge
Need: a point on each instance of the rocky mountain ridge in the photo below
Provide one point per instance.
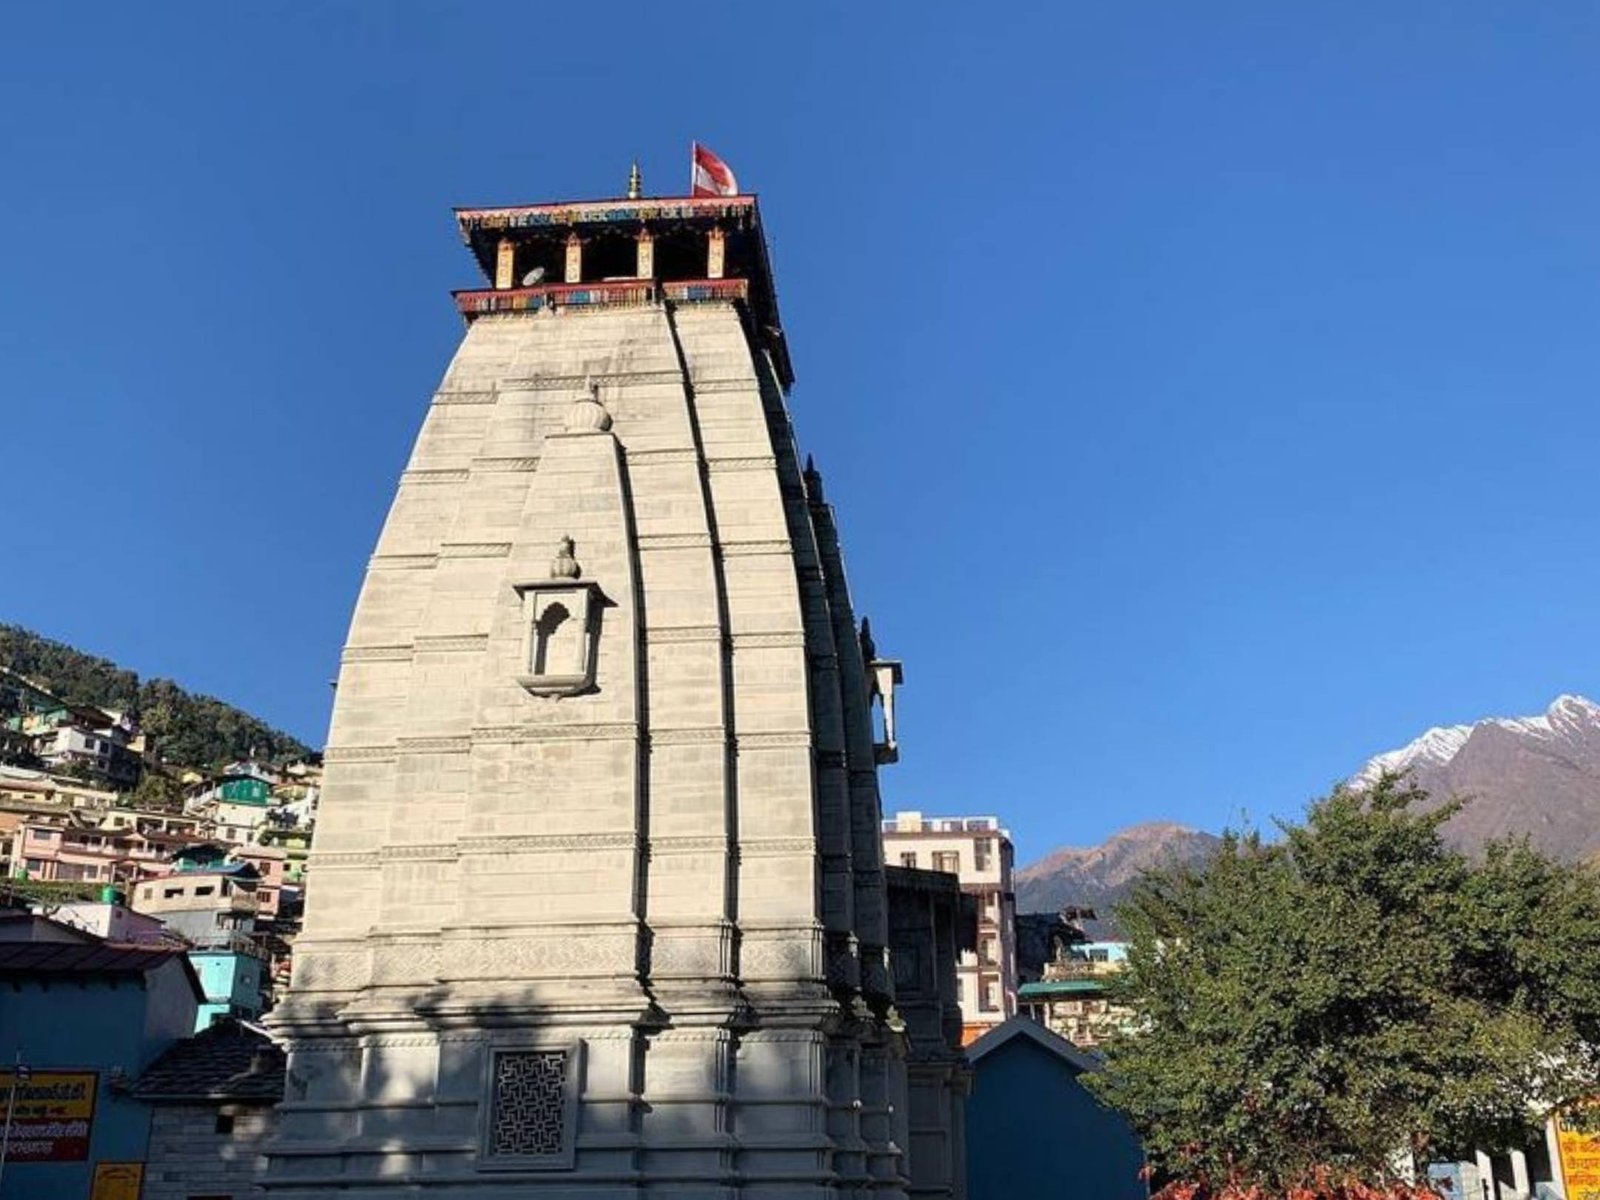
(1537, 776)
(1100, 876)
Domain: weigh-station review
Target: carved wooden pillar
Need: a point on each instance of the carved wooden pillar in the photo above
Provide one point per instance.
(646, 263)
(505, 264)
(716, 252)
(574, 258)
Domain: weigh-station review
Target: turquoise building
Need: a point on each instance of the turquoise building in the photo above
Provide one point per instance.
(233, 979)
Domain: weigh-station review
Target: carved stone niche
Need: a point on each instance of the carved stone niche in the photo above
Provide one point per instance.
(560, 630)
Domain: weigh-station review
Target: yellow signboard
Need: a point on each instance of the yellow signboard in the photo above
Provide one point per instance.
(117, 1181)
(52, 1115)
(1580, 1162)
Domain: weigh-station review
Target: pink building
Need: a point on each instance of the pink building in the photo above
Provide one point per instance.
(48, 851)
(271, 864)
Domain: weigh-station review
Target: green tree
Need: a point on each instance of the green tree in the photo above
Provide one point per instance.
(1355, 999)
(158, 791)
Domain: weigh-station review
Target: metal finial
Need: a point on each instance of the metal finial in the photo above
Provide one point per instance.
(635, 182)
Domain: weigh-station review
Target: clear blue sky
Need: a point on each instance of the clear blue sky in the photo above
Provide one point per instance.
(1208, 391)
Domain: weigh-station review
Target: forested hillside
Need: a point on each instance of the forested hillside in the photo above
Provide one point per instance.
(189, 729)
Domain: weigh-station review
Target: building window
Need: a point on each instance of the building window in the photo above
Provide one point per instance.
(908, 858)
(947, 860)
(982, 849)
(989, 996)
(224, 1123)
(532, 1109)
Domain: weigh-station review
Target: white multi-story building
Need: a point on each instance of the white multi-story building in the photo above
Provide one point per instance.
(978, 851)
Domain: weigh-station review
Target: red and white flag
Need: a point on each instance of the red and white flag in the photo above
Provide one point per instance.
(709, 175)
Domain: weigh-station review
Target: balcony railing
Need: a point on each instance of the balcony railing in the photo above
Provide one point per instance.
(613, 293)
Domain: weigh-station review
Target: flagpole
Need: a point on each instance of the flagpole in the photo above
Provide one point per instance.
(11, 1105)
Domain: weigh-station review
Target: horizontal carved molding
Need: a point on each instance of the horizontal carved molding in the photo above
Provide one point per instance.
(772, 741)
(662, 456)
(394, 653)
(489, 464)
(674, 541)
(756, 463)
(537, 383)
(434, 475)
(562, 955)
(772, 847)
(685, 737)
(451, 643)
(735, 384)
(434, 850)
(784, 638)
(433, 745)
(735, 549)
(611, 731)
(671, 634)
(474, 549)
(465, 397)
(539, 842)
(344, 858)
(342, 754)
(403, 562)
(686, 843)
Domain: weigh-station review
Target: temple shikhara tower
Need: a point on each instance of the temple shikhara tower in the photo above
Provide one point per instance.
(598, 904)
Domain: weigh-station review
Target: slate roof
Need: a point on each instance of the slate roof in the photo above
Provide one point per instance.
(226, 1062)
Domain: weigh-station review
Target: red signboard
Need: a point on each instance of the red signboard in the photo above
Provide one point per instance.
(51, 1116)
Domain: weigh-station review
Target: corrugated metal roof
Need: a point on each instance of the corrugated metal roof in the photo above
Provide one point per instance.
(75, 958)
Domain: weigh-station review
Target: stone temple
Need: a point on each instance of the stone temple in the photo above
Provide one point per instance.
(600, 907)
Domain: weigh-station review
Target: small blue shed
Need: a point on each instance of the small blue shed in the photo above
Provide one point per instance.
(1034, 1130)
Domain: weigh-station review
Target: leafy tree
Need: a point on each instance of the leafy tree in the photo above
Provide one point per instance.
(1332, 1010)
(157, 790)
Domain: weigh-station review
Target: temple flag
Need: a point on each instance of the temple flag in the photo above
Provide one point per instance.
(709, 175)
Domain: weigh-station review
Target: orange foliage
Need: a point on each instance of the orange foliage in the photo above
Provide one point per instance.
(1324, 1188)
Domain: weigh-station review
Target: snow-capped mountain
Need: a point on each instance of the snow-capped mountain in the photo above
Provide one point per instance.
(1538, 776)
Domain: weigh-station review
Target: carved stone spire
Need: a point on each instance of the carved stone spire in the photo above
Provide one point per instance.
(813, 479)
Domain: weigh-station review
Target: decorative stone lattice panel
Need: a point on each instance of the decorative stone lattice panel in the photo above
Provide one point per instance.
(528, 1106)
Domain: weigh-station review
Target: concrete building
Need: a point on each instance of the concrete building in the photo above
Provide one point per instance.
(1035, 1131)
(113, 922)
(233, 979)
(271, 865)
(979, 852)
(202, 905)
(211, 1100)
(55, 792)
(1072, 999)
(74, 852)
(84, 1018)
(599, 905)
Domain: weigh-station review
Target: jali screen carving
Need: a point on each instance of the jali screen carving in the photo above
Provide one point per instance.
(528, 1117)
